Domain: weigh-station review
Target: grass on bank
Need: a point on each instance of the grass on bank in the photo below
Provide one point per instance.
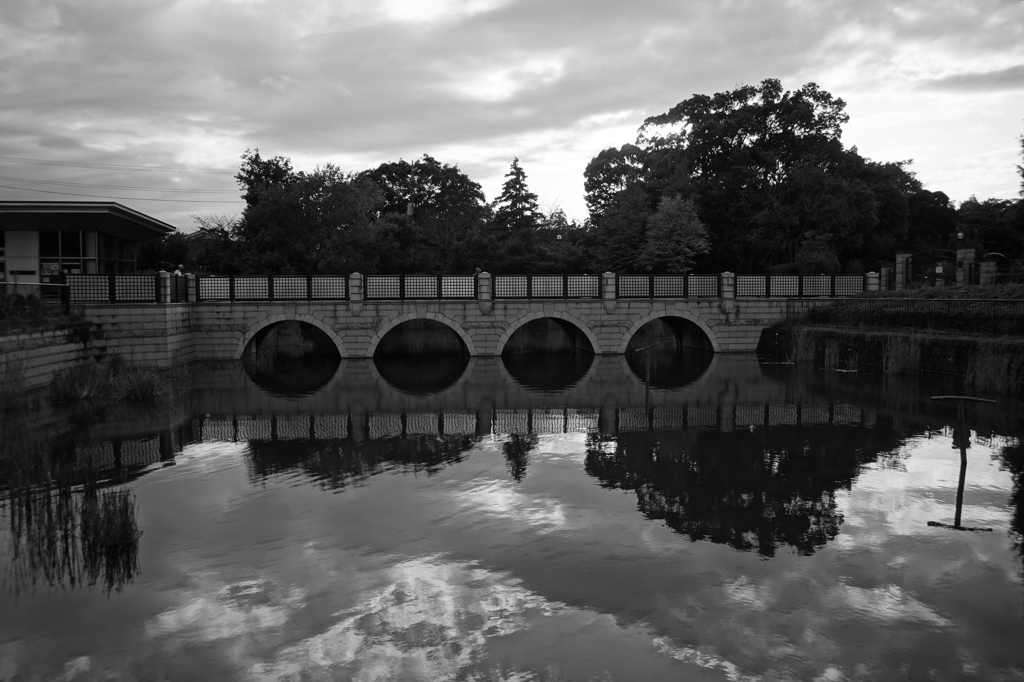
(20, 313)
(989, 291)
(114, 380)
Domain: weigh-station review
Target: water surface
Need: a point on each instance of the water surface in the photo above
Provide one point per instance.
(499, 521)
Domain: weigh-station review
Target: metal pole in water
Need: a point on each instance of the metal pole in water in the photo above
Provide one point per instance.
(964, 439)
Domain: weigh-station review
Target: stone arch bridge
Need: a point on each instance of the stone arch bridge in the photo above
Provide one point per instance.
(162, 319)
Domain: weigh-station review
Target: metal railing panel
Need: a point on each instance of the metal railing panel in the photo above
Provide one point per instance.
(849, 285)
(547, 286)
(583, 286)
(86, 288)
(252, 288)
(670, 286)
(784, 285)
(817, 285)
(704, 286)
(329, 288)
(421, 286)
(214, 288)
(458, 286)
(289, 288)
(751, 285)
(511, 286)
(633, 286)
(135, 288)
(383, 287)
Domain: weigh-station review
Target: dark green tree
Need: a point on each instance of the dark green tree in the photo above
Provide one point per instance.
(164, 253)
(257, 174)
(318, 222)
(212, 247)
(515, 209)
(676, 238)
(613, 244)
(765, 167)
(441, 208)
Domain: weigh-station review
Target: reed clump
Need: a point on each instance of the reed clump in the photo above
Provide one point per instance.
(114, 380)
(902, 355)
(994, 369)
(65, 531)
(804, 346)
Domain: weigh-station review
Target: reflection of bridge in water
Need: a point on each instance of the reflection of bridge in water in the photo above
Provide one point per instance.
(734, 394)
(141, 452)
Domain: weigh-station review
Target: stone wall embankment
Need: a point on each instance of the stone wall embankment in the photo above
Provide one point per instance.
(31, 358)
(984, 363)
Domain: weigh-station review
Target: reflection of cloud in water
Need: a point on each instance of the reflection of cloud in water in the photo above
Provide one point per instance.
(207, 458)
(240, 609)
(744, 592)
(883, 605)
(432, 621)
(502, 499)
(889, 502)
(702, 659)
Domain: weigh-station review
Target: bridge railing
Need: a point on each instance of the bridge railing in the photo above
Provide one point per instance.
(546, 286)
(668, 286)
(308, 288)
(113, 288)
(150, 289)
(401, 287)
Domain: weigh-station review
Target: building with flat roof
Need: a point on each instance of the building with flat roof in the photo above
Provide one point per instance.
(40, 240)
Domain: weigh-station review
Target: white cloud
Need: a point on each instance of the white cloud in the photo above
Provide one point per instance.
(154, 84)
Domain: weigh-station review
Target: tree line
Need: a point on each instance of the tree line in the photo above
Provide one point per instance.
(751, 180)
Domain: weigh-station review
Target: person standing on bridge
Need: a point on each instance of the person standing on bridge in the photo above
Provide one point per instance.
(179, 271)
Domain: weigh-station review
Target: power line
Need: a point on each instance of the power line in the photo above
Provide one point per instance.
(146, 189)
(110, 166)
(98, 196)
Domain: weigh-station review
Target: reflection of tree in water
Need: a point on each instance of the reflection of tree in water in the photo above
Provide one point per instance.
(65, 530)
(517, 453)
(750, 490)
(1013, 459)
(337, 463)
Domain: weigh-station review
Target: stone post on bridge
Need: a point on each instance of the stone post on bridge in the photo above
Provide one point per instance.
(727, 289)
(872, 282)
(885, 277)
(608, 291)
(355, 293)
(193, 292)
(902, 271)
(483, 292)
(163, 287)
(987, 273)
(965, 264)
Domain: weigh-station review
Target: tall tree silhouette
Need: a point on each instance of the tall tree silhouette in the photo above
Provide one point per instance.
(515, 209)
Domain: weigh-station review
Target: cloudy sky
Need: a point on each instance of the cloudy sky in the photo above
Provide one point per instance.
(99, 97)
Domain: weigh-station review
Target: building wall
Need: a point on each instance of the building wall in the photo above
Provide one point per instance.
(22, 256)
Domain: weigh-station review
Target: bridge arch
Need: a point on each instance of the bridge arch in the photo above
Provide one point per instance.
(658, 314)
(406, 317)
(555, 314)
(292, 317)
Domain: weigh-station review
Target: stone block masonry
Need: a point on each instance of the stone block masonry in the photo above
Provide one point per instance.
(167, 334)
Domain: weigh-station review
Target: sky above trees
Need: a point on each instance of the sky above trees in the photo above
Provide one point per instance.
(103, 87)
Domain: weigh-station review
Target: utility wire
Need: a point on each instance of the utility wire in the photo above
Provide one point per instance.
(98, 196)
(110, 166)
(145, 189)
